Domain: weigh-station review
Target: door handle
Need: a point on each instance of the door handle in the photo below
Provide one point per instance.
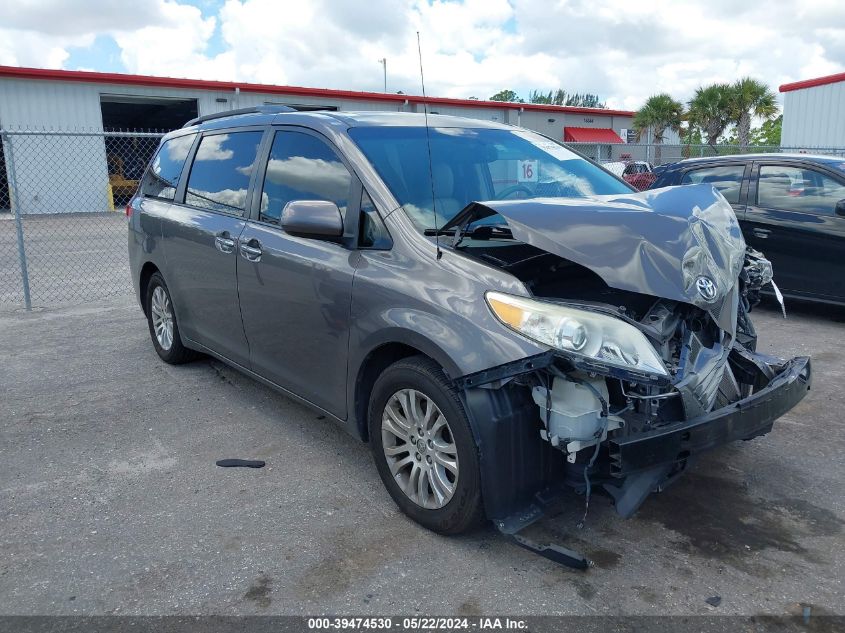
(251, 250)
(761, 233)
(224, 243)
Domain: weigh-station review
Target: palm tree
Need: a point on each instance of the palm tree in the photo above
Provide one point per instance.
(749, 97)
(709, 109)
(659, 113)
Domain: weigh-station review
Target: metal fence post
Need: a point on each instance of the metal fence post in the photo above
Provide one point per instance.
(15, 205)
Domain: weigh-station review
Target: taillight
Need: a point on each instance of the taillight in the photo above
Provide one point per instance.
(129, 210)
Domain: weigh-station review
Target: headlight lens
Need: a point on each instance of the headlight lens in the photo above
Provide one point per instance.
(589, 334)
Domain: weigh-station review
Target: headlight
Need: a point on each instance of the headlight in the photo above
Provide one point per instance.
(579, 332)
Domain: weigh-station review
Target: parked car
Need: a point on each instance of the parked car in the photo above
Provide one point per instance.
(490, 349)
(790, 206)
(637, 173)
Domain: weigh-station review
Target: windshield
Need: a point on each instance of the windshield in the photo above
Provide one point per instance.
(475, 164)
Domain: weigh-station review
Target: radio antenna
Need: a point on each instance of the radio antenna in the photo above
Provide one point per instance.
(428, 146)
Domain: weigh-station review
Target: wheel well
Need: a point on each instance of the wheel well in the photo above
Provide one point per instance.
(374, 364)
(146, 272)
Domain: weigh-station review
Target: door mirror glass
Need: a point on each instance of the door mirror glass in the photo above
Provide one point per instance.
(840, 208)
(312, 218)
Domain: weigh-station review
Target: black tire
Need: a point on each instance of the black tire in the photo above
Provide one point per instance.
(464, 511)
(176, 354)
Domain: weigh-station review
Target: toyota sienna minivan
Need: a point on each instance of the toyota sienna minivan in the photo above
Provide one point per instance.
(496, 315)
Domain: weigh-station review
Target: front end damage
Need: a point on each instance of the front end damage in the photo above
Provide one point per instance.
(608, 419)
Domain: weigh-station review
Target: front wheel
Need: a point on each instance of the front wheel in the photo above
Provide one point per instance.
(424, 448)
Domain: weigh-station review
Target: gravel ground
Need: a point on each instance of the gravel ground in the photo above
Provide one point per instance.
(112, 504)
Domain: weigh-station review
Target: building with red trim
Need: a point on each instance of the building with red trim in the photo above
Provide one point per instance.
(71, 99)
(814, 113)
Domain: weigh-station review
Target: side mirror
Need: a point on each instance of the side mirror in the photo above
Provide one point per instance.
(840, 208)
(319, 219)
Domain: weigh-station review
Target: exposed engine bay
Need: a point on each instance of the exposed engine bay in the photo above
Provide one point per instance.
(673, 374)
(580, 410)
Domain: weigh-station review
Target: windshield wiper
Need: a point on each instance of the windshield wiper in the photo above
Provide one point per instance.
(484, 232)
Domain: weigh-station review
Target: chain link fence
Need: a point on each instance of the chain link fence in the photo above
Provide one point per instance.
(63, 194)
(62, 221)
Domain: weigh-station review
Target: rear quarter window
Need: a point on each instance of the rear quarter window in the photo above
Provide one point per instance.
(162, 176)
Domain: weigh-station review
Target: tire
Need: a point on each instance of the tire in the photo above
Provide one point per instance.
(414, 383)
(169, 348)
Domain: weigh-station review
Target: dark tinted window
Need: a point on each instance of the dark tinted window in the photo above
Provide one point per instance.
(162, 176)
(798, 189)
(475, 164)
(221, 171)
(302, 167)
(372, 232)
(726, 178)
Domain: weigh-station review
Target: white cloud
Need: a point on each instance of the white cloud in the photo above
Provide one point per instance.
(622, 50)
(327, 179)
(40, 32)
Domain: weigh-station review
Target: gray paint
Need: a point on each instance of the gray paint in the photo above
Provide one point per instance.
(655, 242)
(313, 311)
(312, 218)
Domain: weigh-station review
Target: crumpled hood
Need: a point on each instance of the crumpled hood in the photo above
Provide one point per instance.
(672, 242)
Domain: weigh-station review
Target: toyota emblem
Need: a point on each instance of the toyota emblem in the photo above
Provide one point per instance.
(706, 288)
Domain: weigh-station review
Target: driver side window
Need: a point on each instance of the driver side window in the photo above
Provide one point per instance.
(302, 167)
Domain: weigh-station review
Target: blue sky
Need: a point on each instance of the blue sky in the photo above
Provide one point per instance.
(621, 50)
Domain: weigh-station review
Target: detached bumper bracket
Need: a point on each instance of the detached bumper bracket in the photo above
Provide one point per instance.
(556, 553)
(742, 420)
(510, 527)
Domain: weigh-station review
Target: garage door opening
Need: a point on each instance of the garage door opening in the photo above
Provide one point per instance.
(145, 114)
(127, 122)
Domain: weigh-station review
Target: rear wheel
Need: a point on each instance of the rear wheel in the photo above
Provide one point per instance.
(424, 448)
(164, 330)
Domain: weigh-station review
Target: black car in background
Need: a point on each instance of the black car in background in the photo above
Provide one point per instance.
(789, 206)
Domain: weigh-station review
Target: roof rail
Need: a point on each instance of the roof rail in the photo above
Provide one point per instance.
(262, 109)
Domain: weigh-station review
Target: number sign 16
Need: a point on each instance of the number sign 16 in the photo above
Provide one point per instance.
(527, 171)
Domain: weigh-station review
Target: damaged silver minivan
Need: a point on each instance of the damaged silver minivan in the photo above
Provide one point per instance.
(498, 316)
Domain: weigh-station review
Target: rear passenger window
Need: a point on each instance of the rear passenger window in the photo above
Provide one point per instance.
(726, 178)
(798, 189)
(222, 167)
(302, 167)
(162, 176)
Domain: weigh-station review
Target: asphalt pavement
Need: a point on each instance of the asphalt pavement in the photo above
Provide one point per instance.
(111, 502)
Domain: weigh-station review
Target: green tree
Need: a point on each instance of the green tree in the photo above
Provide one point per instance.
(768, 133)
(562, 98)
(709, 111)
(750, 98)
(659, 113)
(506, 95)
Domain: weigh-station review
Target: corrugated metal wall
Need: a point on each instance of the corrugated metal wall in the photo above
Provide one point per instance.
(814, 117)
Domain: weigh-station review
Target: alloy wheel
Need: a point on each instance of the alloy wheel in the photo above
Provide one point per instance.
(420, 448)
(162, 316)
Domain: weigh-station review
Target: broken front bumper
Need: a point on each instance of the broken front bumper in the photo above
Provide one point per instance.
(742, 420)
